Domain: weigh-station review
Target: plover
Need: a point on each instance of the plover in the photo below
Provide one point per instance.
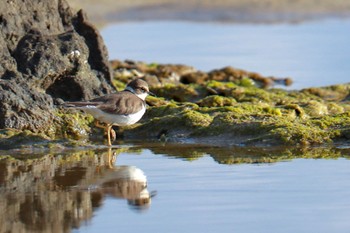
(120, 109)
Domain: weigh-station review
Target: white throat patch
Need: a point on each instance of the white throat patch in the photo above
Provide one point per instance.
(141, 96)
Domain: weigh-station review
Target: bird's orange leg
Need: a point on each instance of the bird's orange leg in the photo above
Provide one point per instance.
(111, 135)
(99, 125)
(108, 130)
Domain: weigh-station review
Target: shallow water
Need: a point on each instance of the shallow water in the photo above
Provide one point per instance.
(311, 53)
(194, 189)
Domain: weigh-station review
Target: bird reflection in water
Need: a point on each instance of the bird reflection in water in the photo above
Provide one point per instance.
(54, 193)
(127, 182)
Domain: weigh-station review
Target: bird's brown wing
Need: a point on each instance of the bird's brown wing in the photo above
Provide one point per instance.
(118, 103)
(107, 99)
(122, 103)
(94, 102)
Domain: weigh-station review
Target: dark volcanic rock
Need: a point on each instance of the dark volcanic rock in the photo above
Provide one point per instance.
(47, 52)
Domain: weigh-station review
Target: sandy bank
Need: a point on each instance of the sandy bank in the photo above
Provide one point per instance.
(252, 11)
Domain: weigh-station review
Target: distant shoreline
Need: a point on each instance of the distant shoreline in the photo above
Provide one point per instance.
(233, 11)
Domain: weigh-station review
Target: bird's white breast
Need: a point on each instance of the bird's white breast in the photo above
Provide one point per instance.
(114, 119)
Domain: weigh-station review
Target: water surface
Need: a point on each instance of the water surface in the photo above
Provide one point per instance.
(312, 53)
(177, 188)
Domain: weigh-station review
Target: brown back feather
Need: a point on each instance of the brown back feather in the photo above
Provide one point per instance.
(113, 103)
(120, 104)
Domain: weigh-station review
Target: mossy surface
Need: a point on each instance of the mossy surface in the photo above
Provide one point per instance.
(240, 112)
(214, 110)
(74, 124)
(222, 110)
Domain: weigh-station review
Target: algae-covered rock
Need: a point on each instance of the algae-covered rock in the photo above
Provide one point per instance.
(234, 111)
(221, 111)
(230, 74)
(238, 112)
(13, 139)
(216, 101)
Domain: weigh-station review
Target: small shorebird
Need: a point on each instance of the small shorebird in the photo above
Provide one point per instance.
(121, 108)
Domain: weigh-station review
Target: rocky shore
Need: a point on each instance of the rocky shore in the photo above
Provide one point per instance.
(228, 106)
(54, 55)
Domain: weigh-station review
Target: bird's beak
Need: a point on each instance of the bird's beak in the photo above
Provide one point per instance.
(152, 94)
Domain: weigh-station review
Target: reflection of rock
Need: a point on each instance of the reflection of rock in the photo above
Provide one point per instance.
(57, 193)
(34, 203)
(249, 155)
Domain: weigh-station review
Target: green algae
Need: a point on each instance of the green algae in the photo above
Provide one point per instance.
(216, 101)
(251, 115)
(196, 119)
(212, 111)
(74, 124)
(236, 111)
(239, 113)
(182, 118)
(12, 138)
(119, 85)
(179, 93)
